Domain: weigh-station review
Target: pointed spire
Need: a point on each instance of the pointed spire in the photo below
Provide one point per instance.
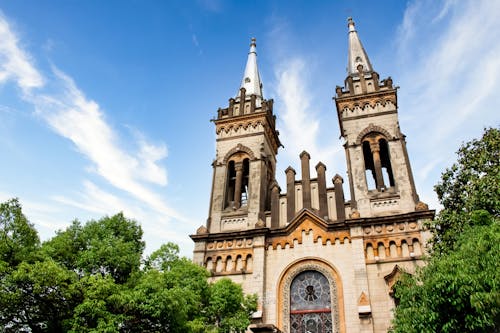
(251, 78)
(357, 54)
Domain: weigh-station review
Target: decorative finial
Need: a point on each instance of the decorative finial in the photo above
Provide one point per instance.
(350, 24)
(253, 43)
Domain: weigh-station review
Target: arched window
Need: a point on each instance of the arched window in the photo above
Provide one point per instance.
(238, 171)
(378, 168)
(231, 181)
(369, 166)
(310, 303)
(385, 161)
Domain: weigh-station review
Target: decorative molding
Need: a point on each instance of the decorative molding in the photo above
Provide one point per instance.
(421, 206)
(238, 149)
(392, 278)
(202, 230)
(234, 223)
(306, 222)
(371, 99)
(370, 129)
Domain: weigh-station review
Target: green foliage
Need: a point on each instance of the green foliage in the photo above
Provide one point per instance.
(228, 310)
(37, 296)
(458, 291)
(18, 238)
(112, 245)
(471, 184)
(100, 309)
(163, 258)
(167, 301)
(88, 278)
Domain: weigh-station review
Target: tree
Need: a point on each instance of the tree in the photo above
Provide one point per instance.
(18, 238)
(472, 183)
(112, 245)
(228, 310)
(169, 296)
(163, 258)
(88, 278)
(101, 308)
(37, 297)
(458, 290)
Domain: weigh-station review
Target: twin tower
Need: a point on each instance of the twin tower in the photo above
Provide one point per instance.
(317, 262)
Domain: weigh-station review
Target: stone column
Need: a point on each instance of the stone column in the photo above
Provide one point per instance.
(339, 198)
(275, 206)
(237, 187)
(375, 149)
(323, 199)
(231, 107)
(252, 103)
(290, 193)
(306, 179)
(242, 101)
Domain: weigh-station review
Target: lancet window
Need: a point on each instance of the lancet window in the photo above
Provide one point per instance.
(238, 170)
(378, 168)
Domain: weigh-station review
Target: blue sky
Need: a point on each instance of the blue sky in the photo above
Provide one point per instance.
(105, 105)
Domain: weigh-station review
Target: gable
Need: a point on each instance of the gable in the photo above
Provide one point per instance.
(305, 223)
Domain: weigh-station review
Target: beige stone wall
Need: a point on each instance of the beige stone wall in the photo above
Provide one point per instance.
(337, 255)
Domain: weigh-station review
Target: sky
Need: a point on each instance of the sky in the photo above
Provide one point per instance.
(105, 106)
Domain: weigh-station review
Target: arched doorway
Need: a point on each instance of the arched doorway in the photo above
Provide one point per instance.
(310, 303)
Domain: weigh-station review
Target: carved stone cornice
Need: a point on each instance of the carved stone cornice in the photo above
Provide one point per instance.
(221, 236)
(371, 99)
(397, 218)
(253, 120)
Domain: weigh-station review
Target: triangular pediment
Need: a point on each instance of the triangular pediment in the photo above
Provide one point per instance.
(305, 223)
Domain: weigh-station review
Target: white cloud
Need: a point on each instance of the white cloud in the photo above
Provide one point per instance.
(72, 115)
(449, 54)
(300, 129)
(16, 64)
(98, 201)
(298, 121)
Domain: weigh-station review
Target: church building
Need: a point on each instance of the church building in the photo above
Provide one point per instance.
(317, 262)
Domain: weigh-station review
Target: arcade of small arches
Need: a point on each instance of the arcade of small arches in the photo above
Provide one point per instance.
(230, 263)
(397, 248)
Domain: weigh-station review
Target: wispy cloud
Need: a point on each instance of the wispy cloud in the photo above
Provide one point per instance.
(16, 64)
(299, 119)
(454, 83)
(69, 113)
(449, 70)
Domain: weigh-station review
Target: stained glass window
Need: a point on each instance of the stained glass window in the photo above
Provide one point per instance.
(310, 303)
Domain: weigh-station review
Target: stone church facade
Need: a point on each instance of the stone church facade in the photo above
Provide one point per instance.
(317, 262)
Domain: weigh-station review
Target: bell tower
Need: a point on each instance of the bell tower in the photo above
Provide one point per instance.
(245, 162)
(380, 176)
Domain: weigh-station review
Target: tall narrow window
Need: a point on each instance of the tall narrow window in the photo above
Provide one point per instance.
(369, 166)
(385, 161)
(244, 183)
(231, 182)
(310, 303)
